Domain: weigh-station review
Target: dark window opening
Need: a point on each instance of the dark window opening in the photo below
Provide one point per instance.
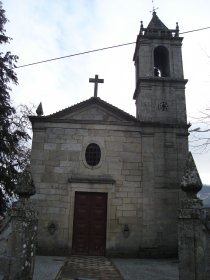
(93, 154)
(161, 62)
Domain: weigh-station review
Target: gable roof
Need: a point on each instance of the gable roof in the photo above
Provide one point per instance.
(84, 104)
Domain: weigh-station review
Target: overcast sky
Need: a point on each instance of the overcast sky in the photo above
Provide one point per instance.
(45, 29)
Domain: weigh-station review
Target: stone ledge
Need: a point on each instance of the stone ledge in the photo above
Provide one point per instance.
(91, 179)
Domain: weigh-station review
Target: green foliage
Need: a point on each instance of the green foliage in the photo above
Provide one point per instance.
(13, 152)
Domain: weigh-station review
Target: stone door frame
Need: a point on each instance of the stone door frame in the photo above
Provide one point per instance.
(90, 187)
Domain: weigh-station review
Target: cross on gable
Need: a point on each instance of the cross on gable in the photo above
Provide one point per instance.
(96, 81)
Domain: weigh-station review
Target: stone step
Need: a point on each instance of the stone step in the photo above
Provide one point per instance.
(89, 268)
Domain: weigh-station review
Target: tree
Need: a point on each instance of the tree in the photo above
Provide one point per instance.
(13, 135)
(200, 132)
(200, 136)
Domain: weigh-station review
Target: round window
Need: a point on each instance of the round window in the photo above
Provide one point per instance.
(93, 154)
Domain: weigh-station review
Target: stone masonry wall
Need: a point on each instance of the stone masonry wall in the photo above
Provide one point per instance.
(146, 165)
(163, 155)
(58, 153)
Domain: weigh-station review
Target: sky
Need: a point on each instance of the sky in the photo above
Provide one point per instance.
(45, 29)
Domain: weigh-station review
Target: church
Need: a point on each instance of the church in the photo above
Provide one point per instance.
(108, 183)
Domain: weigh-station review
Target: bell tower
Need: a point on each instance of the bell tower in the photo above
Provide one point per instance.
(161, 111)
(160, 83)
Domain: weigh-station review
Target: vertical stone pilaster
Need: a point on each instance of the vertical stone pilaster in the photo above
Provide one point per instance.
(191, 240)
(21, 251)
(23, 240)
(191, 235)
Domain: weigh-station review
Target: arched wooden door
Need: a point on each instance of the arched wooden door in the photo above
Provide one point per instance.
(90, 215)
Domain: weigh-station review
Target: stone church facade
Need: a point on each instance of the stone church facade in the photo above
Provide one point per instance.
(108, 183)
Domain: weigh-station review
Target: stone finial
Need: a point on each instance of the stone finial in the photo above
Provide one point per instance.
(191, 182)
(25, 186)
(141, 28)
(39, 110)
(177, 30)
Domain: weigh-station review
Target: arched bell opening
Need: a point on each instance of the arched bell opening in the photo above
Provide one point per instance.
(161, 62)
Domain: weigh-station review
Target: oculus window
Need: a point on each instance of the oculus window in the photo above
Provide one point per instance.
(93, 154)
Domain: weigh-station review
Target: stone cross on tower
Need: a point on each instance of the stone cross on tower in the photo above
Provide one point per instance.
(96, 81)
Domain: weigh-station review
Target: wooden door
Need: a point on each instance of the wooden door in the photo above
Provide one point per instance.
(89, 232)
